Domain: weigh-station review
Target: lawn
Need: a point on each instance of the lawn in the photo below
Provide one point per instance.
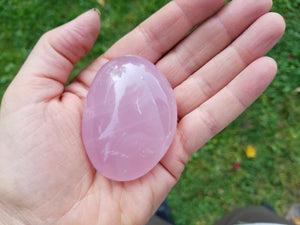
(219, 177)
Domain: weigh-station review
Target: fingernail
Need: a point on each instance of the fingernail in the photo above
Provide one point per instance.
(97, 11)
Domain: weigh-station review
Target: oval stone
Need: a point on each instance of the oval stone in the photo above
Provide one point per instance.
(129, 118)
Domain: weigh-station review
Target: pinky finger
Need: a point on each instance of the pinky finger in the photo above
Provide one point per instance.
(199, 126)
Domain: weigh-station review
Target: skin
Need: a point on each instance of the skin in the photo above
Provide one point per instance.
(216, 72)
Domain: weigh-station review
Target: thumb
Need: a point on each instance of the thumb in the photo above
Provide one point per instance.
(47, 68)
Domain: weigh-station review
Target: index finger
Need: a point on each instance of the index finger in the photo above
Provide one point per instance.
(156, 35)
(164, 29)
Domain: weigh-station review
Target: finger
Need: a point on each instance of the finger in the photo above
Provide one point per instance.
(164, 29)
(255, 42)
(50, 63)
(210, 38)
(156, 35)
(199, 126)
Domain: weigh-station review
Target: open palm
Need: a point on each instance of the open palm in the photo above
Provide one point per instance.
(216, 72)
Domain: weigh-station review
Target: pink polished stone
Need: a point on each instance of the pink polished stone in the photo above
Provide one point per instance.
(129, 118)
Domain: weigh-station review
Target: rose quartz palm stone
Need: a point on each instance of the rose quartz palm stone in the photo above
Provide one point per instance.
(129, 118)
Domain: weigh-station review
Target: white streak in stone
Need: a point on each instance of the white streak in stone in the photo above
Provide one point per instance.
(146, 152)
(106, 152)
(138, 106)
(118, 154)
(153, 101)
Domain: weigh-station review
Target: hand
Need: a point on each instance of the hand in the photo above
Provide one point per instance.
(216, 72)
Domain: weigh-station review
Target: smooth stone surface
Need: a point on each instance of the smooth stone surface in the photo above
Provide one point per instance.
(129, 118)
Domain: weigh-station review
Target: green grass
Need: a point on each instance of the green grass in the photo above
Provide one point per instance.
(210, 185)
